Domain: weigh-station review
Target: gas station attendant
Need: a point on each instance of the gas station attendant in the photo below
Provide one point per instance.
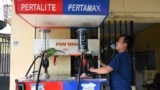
(120, 65)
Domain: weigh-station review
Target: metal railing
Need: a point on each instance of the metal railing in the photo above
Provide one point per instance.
(4, 56)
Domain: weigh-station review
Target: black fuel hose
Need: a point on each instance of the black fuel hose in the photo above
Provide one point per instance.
(79, 71)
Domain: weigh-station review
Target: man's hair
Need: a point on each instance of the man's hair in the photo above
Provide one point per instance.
(129, 40)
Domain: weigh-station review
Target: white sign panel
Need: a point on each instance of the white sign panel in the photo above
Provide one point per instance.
(68, 46)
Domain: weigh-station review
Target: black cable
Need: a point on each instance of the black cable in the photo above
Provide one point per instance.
(31, 66)
(35, 37)
(37, 82)
(79, 71)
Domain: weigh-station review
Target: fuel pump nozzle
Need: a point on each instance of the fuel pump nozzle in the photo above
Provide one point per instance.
(52, 51)
(45, 62)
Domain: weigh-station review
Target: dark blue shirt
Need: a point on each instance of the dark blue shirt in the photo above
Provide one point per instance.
(121, 74)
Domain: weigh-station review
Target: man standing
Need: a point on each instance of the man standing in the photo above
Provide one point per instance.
(120, 67)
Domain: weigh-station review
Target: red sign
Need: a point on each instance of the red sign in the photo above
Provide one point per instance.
(43, 85)
(38, 7)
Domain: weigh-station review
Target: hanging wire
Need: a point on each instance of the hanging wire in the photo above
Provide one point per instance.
(124, 9)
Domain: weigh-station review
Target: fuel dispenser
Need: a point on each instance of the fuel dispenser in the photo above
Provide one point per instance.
(85, 61)
(64, 13)
(82, 78)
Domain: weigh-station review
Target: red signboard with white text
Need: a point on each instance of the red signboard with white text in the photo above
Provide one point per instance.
(38, 6)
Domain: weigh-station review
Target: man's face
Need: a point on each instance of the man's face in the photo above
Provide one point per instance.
(120, 44)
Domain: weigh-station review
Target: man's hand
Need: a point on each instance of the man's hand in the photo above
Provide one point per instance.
(92, 69)
(103, 70)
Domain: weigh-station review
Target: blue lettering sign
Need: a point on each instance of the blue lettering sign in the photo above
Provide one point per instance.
(86, 7)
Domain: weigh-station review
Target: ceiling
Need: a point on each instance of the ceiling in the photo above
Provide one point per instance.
(144, 13)
(140, 11)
